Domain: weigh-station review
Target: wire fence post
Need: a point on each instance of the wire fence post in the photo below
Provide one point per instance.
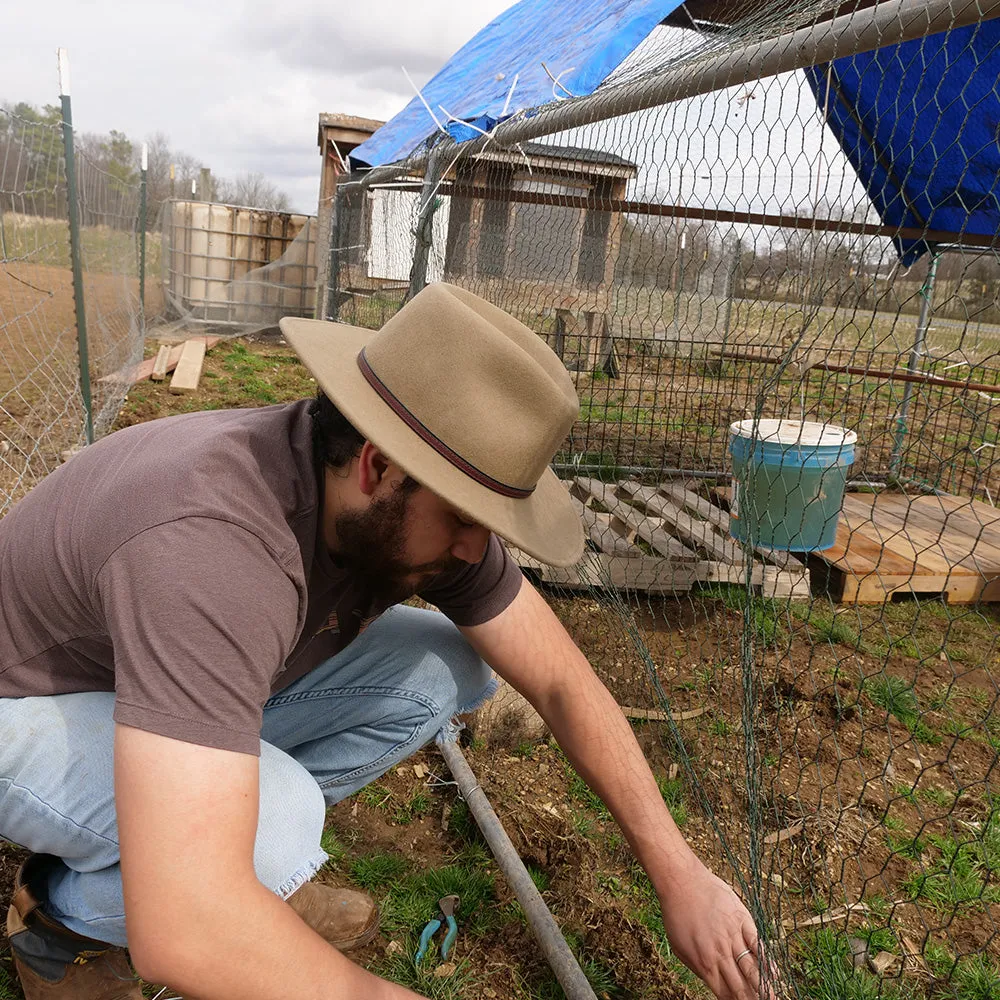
(680, 286)
(331, 297)
(142, 236)
(76, 257)
(425, 221)
(919, 342)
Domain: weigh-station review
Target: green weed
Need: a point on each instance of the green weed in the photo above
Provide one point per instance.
(765, 614)
(411, 900)
(900, 700)
(539, 877)
(955, 880)
(330, 843)
(374, 796)
(940, 961)
(907, 847)
(672, 790)
(7, 984)
(974, 978)
(827, 973)
(399, 967)
(376, 871)
(419, 805)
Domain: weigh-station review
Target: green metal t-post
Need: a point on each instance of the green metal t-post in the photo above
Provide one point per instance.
(142, 237)
(74, 243)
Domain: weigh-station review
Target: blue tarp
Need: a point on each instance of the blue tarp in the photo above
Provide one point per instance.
(580, 42)
(919, 122)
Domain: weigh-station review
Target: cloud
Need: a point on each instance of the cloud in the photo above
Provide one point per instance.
(371, 40)
(236, 84)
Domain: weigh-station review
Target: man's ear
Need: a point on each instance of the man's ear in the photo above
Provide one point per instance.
(372, 467)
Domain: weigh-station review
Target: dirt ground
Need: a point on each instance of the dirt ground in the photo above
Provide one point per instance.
(851, 752)
(40, 410)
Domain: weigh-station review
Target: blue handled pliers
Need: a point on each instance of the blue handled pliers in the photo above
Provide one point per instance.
(448, 907)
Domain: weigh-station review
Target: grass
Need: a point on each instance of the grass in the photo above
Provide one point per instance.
(418, 805)
(974, 978)
(672, 791)
(766, 615)
(399, 967)
(824, 964)
(408, 898)
(332, 845)
(38, 241)
(7, 985)
(956, 878)
(374, 796)
(900, 700)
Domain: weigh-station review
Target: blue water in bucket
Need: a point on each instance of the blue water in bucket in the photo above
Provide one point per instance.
(789, 478)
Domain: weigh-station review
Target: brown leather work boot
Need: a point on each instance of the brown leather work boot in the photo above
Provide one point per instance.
(342, 917)
(53, 962)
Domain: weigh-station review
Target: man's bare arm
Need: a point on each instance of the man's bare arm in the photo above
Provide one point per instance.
(707, 924)
(197, 918)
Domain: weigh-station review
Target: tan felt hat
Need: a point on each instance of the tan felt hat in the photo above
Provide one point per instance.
(467, 400)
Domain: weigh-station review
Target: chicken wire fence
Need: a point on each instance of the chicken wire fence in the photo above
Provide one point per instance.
(45, 408)
(824, 720)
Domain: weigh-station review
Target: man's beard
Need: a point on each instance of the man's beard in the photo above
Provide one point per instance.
(371, 544)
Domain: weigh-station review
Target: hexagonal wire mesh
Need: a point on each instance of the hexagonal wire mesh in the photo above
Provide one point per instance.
(42, 411)
(817, 695)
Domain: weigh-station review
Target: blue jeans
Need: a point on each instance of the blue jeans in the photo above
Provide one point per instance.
(391, 691)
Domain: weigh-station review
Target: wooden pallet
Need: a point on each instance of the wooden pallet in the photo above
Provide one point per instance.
(892, 543)
(663, 540)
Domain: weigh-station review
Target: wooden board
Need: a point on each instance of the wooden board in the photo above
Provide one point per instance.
(922, 545)
(635, 544)
(159, 372)
(633, 524)
(187, 374)
(144, 369)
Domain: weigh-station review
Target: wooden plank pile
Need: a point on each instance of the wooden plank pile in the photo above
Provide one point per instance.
(664, 539)
(184, 358)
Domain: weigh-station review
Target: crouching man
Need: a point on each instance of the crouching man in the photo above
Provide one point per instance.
(201, 647)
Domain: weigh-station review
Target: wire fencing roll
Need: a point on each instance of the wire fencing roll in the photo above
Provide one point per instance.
(827, 716)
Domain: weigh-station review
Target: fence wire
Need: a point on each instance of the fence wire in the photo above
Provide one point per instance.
(833, 731)
(41, 407)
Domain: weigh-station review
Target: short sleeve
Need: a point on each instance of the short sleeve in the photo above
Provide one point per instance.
(201, 616)
(477, 593)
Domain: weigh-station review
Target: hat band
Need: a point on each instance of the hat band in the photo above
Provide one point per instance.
(433, 440)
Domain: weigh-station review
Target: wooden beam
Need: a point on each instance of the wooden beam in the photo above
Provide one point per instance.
(635, 523)
(188, 371)
(627, 206)
(706, 509)
(894, 376)
(702, 534)
(159, 372)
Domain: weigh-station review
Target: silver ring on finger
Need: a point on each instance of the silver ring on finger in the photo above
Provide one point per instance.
(743, 954)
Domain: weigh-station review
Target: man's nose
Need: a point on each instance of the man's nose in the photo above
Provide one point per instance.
(470, 546)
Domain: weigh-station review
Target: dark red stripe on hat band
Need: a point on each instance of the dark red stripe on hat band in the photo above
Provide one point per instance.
(433, 440)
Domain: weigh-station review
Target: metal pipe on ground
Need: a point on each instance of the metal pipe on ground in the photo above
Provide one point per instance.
(566, 968)
(887, 23)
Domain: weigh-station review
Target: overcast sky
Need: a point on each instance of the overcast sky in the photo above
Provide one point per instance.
(237, 84)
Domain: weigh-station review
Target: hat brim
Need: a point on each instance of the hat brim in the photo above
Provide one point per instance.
(544, 525)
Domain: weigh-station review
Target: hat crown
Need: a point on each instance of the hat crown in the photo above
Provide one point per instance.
(477, 384)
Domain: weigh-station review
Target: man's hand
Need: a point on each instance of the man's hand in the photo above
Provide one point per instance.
(712, 933)
(196, 917)
(708, 926)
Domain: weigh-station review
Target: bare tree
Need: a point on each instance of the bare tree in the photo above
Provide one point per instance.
(253, 190)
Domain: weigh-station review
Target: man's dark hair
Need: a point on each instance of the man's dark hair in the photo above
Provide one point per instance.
(335, 439)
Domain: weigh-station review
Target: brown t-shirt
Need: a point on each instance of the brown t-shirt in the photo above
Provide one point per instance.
(180, 564)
